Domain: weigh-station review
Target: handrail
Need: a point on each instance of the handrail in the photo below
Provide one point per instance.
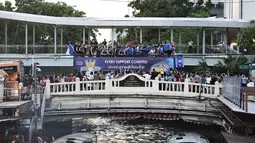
(116, 87)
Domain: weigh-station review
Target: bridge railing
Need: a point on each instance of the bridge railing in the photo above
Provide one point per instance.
(137, 86)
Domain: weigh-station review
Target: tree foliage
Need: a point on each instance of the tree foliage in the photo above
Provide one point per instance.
(202, 67)
(16, 29)
(246, 38)
(231, 66)
(164, 8)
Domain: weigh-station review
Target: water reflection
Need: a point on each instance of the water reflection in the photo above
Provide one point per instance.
(138, 130)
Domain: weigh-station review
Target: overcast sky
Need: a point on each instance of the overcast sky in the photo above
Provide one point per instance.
(98, 8)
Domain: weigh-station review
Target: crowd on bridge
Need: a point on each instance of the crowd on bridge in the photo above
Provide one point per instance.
(172, 76)
(164, 48)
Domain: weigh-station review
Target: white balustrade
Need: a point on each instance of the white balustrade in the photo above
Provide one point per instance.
(149, 87)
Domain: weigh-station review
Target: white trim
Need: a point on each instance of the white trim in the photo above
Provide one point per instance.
(125, 22)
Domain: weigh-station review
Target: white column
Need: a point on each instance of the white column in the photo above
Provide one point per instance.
(226, 40)
(61, 39)
(112, 37)
(180, 38)
(61, 36)
(6, 37)
(83, 35)
(34, 39)
(89, 36)
(203, 52)
(141, 35)
(33, 35)
(159, 35)
(198, 43)
(26, 38)
(55, 39)
(211, 40)
(172, 35)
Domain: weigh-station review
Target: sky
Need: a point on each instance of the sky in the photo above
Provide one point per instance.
(98, 8)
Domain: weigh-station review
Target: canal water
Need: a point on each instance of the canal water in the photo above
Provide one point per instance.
(140, 130)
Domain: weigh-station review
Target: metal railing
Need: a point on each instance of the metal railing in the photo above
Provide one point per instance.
(61, 49)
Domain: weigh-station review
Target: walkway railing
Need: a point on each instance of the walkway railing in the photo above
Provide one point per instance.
(132, 84)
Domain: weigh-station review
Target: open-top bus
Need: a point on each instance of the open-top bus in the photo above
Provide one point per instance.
(13, 69)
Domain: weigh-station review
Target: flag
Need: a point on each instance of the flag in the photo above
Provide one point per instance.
(70, 50)
(179, 61)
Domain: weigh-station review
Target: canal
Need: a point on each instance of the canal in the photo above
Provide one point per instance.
(141, 130)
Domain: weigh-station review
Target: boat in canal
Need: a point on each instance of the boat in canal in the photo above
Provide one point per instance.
(187, 137)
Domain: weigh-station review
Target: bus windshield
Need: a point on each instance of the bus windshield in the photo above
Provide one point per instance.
(13, 69)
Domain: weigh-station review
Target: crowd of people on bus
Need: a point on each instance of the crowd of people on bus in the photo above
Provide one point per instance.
(164, 48)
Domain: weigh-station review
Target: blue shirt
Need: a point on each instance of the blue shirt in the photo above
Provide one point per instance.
(170, 78)
(167, 47)
(130, 51)
(148, 48)
(160, 50)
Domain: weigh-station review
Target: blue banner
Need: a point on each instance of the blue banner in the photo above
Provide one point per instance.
(160, 64)
(231, 90)
(179, 61)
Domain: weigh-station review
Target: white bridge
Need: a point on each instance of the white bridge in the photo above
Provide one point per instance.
(132, 84)
(131, 96)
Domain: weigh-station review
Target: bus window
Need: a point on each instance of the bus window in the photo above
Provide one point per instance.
(9, 69)
(13, 69)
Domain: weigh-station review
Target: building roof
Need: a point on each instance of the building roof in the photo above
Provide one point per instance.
(126, 22)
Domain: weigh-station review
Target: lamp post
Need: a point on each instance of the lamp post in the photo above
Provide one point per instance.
(35, 91)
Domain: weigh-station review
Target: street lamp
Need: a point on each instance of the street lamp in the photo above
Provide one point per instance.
(35, 69)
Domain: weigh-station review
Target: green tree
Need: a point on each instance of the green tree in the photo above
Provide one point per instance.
(246, 39)
(199, 3)
(202, 67)
(209, 4)
(16, 29)
(231, 65)
(165, 8)
(7, 6)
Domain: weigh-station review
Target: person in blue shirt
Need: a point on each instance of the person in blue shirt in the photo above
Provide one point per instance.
(130, 51)
(147, 49)
(170, 77)
(138, 51)
(160, 50)
(167, 49)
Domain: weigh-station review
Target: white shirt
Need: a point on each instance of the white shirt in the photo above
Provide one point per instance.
(147, 76)
(208, 80)
(190, 43)
(91, 77)
(250, 84)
